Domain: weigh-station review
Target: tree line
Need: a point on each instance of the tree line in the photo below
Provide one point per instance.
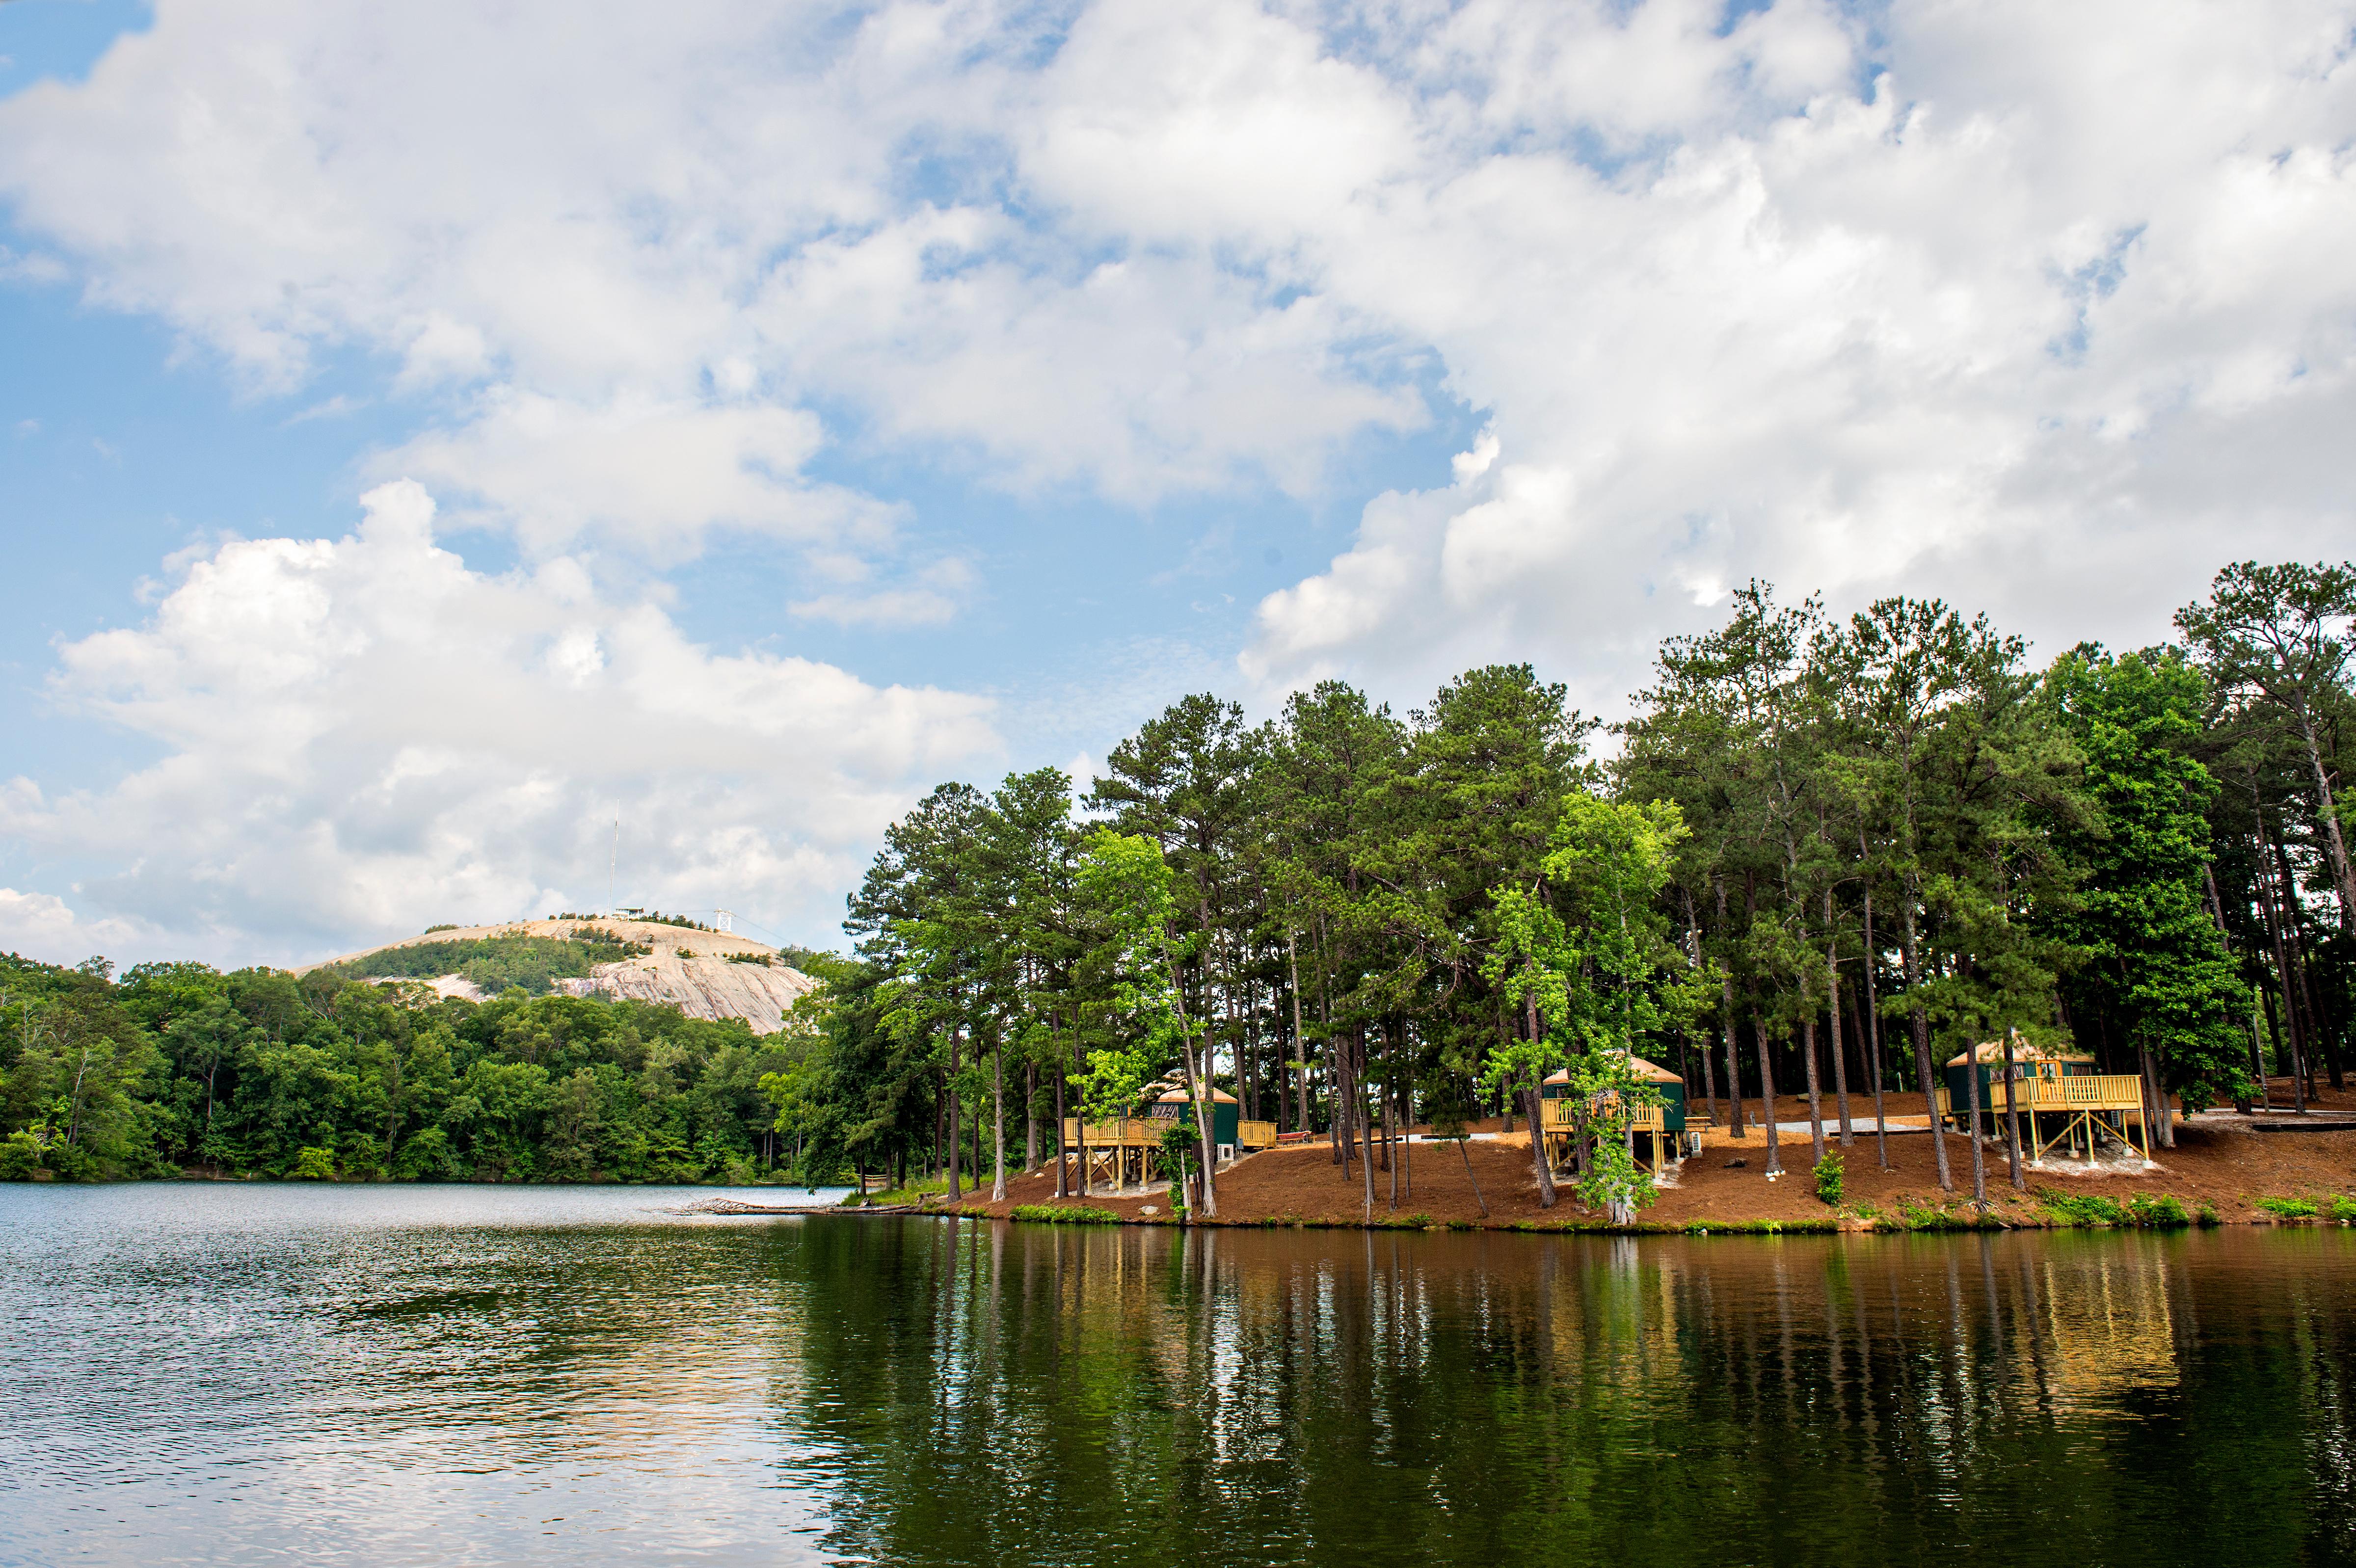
(1822, 856)
(176, 1067)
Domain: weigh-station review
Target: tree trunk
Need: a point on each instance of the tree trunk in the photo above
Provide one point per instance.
(1816, 1100)
(1767, 1095)
(2342, 877)
(1407, 1144)
(1463, 1148)
(949, 1124)
(997, 1120)
(1693, 944)
(1869, 1011)
(1390, 1121)
(1979, 1163)
(1080, 1114)
(1832, 1017)
(1537, 1150)
(2155, 1100)
(2315, 1032)
(2012, 1119)
(1733, 1059)
(1536, 1109)
(1030, 1115)
(1341, 1094)
(1300, 1049)
(1062, 1181)
(1921, 1029)
(2290, 1018)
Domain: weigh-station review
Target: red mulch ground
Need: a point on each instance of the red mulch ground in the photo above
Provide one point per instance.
(2217, 1161)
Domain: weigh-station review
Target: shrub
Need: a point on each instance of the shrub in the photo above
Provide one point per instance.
(19, 1158)
(2082, 1209)
(1059, 1214)
(1761, 1227)
(1916, 1215)
(496, 964)
(2344, 1211)
(1830, 1180)
(2161, 1212)
(315, 1165)
(2287, 1207)
(1177, 1157)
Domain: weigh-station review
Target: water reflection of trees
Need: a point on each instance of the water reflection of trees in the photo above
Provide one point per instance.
(1242, 1396)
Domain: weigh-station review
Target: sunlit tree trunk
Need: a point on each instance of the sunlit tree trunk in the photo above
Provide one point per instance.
(1869, 1007)
(1832, 1020)
(2012, 1119)
(1920, 1024)
(997, 1118)
(1972, 1092)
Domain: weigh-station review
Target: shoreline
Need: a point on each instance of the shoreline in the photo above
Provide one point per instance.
(2225, 1169)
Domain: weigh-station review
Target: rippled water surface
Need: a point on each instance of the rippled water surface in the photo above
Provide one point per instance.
(400, 1375)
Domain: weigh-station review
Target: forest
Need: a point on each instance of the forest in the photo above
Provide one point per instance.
(1819, 853)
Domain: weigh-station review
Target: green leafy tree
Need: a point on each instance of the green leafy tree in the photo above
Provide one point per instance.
(2152, 964)
(1127, 886)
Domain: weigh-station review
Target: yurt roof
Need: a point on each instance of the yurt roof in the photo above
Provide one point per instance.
(1180, 1096)
(1992, 1050)
(1652, 1072)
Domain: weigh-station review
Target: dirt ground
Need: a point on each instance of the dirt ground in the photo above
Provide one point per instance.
(2219, 1160)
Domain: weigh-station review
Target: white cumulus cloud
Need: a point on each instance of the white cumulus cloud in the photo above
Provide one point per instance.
(2045, 308)
(363, 735)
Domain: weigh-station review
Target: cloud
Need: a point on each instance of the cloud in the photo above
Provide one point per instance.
(1978, 298)
(2042, 308)
(43, 926)
(362, 735)
(655, 478)
(932, 597)
(2031, 308)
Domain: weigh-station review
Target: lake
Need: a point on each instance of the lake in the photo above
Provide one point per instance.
(321, 1375)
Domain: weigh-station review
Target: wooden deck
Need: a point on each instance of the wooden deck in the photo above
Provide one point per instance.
(2079, 1101)
(1120, 1151)
(1559, 1125)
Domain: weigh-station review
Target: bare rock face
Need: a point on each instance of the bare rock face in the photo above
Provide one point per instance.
(703, 974)
(760, 994)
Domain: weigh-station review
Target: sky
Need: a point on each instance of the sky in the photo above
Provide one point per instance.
(460, 463)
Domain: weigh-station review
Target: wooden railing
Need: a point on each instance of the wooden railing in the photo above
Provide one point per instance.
(1145, 1131)
(2081, 1092)
(1138, 1132)
(1558, 1118)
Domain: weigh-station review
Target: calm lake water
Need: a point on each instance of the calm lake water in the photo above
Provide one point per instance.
(409, 1375)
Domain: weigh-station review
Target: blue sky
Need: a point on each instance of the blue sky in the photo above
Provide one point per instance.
(426, 434)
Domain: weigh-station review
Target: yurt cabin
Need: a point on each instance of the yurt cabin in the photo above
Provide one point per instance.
(1226, 1115)
(2030, 1063)
(1671, 1087)
(1666, 1120)
(2062, 1097)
